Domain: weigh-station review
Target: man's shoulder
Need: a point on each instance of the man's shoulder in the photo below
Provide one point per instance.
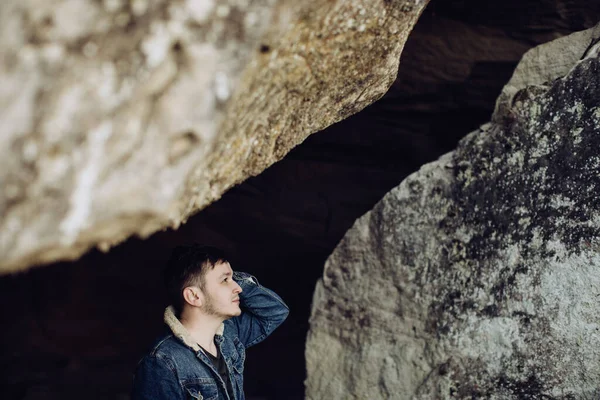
(173, 368)
(169, 352)
(167, 345)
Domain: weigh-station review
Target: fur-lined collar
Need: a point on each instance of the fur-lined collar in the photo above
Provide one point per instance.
(179, 330)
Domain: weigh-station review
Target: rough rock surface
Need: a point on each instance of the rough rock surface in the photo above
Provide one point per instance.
(124, 117)
(478, 276)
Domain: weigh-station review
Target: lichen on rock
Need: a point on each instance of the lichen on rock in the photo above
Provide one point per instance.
(478, 276)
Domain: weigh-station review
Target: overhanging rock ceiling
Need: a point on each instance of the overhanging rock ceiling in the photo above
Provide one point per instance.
(121, 118)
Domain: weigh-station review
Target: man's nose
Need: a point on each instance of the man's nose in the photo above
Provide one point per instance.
(237, 288)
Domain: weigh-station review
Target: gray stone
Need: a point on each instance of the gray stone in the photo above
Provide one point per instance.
(479, 276)
(123, 117)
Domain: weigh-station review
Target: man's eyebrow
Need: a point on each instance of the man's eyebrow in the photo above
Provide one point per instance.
(225, 274)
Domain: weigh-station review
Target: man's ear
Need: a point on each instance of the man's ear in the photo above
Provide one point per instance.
(193, 296)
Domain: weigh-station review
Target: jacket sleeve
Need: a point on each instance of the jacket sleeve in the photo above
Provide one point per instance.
(262, 310)
(154, 379)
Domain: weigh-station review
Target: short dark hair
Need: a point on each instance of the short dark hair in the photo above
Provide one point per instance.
(188, 266)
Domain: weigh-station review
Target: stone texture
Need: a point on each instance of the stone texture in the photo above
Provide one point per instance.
(478, 276)
(125, 117)
(66, 331)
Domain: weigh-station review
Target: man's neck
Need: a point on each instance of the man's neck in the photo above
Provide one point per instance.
(202, 328)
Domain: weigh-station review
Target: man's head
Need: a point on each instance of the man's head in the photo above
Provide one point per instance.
(201, 276)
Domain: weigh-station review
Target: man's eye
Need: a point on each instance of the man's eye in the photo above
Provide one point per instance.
(225, 280)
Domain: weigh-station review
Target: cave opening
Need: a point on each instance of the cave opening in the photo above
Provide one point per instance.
(80, 327)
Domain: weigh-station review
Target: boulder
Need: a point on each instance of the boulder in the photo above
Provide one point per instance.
(124, 117)
(479, 275)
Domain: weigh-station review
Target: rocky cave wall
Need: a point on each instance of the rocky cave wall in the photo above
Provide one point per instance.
(124, 117)
(478, 276)
(79, 327)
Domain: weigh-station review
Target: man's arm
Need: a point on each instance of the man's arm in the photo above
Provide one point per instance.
(155, 380)
(262, 310)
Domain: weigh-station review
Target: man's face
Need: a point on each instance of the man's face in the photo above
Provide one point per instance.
(221, 292)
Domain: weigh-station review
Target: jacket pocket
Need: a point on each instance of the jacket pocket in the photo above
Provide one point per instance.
(201, 391)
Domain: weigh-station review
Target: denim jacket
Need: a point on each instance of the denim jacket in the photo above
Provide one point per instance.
(176, 368)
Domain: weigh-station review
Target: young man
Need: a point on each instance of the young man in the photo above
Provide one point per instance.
(215, 315)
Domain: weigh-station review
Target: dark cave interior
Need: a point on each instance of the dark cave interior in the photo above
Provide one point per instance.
(80, 327)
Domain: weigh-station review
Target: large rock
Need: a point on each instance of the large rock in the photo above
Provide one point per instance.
(124, 117)
(479, 276)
